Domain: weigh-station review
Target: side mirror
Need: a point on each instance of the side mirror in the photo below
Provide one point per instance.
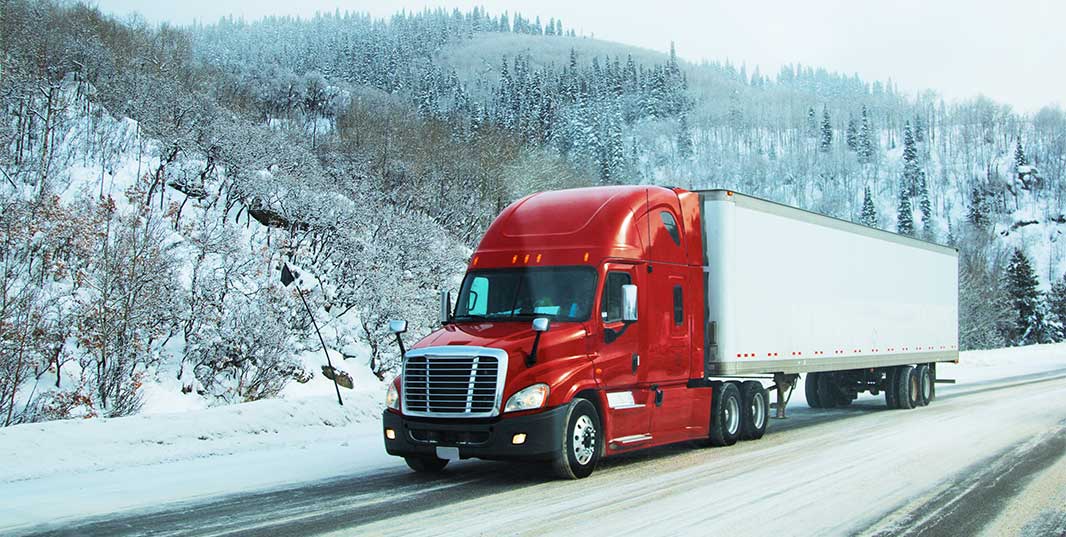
(541, 324)
(445, 307)
(397, 327)
(629, 303)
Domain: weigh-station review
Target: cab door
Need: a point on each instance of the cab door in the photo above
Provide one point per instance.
(669, 325)
(619, 365)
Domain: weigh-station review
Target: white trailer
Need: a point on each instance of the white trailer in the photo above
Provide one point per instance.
(791, 291)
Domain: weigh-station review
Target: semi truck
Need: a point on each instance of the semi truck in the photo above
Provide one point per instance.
(597, 321)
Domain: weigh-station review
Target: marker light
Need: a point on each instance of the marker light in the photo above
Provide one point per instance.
(586, 257)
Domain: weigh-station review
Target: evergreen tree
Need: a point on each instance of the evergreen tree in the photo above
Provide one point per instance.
(919, 129)
(827, 131)
(925, 206)
(911, 169)
(977, 212)
(1019, 156)
(867, 145)
(869, 212)
(812, 123)
(851, 135)
(1021, 285)
(684, 137)
(1056, 309)
(904, 215)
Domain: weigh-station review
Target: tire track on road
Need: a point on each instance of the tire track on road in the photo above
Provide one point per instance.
(978, 494)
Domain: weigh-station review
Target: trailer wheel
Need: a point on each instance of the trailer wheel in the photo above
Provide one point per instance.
(932, 382)
(426, 465)
(890, 387)
(925, 384)
(725, 415)
(810, 389)
(755, 409)
(828, 394)
(582, 440)
(905, 389)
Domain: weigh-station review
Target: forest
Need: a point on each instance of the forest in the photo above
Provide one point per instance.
(156, 180)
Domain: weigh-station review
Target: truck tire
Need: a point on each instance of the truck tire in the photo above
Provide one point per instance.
(904, 395)
(828, 394)
(925, 384)
(755, 410)
(582, 441)
(810, 389)
(725, 415)
(890, 387)
(932, 382)
(426, 465)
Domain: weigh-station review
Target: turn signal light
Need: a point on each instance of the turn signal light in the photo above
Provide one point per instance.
(518, 439)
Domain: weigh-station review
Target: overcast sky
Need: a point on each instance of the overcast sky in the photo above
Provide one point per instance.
(1011, 51)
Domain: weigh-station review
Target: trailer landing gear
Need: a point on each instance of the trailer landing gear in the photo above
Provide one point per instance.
(783, 382)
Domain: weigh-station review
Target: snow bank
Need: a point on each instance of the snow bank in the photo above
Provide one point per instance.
(38, 450)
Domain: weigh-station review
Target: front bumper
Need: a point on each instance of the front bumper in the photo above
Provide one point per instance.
(481, 439)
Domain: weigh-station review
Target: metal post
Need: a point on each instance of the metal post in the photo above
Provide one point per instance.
(322, 341)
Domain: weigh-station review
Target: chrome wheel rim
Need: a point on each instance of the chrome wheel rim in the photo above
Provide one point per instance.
(758, 410)
(584, 440)
(927, 387)
(732, 415)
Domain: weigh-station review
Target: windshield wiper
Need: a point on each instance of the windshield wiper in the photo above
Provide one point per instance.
(472, 318)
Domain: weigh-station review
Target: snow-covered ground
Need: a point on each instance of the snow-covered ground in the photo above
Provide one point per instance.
(79, 468)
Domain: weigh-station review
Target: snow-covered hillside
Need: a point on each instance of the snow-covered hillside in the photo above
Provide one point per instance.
(156, 181)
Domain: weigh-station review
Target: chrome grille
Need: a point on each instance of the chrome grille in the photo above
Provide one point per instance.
(453, 381)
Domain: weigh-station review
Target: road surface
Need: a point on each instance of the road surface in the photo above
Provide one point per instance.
(984, 459)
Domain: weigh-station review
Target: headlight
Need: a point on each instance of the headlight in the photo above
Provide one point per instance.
(527, 398)
(392, 399)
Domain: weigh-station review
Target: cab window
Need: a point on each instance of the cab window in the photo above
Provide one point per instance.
(611, 304)
(671, 227)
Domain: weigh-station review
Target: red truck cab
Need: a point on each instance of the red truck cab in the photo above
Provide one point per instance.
(540, 359)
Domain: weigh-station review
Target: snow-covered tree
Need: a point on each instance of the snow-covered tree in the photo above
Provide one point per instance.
(1056, 310)
(867, 142)
(851, 135)
(869, 213)
(826, 140)
(904, 215)
(1021, 285)
(684, 137)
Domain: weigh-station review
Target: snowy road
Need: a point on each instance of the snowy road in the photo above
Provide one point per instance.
(987, 458)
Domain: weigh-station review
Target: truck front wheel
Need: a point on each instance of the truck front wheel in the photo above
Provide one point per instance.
(580, 450)
(725, 415)
(426, 465)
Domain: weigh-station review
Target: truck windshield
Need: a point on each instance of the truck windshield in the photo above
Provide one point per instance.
(561, 293)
